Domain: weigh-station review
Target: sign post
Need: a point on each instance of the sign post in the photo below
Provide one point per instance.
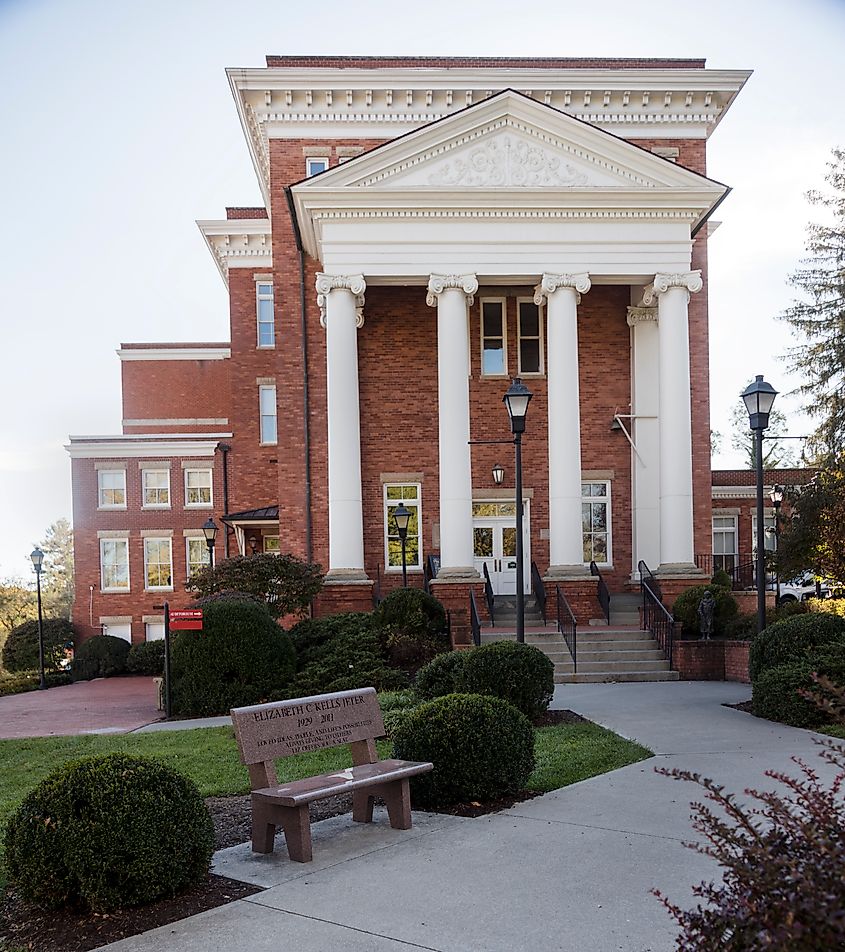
(168, 708)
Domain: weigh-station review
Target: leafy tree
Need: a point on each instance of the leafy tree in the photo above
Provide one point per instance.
(17, 605)
(819, 322)
(285, 583)
(57, 571)
(813, 536)
(775, 452)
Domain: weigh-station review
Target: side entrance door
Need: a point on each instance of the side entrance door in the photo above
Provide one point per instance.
(494, 544)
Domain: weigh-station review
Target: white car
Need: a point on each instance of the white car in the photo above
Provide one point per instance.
(804, 587)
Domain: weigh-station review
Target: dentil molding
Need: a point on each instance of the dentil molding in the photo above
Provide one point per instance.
(354, 283)
(438, 283)
(580, 283)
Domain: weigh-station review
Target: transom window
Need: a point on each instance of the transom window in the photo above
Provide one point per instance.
(158, 564)
(272, 544)
(409, 495)
(530, 335)
(494, 510)
(197, 554)
(198, 489)
(267, 411)
(494, 360)
(114, 565)
(315, 166)
(111, 484)
(156, 488)
(595, 522)
(264, 313)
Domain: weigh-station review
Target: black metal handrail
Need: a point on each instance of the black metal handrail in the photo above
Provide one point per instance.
(432, 564)
(567, 626)
(488, 596)
(656, 617)
(474, 621)
(539, 589)
(377, 587)
(602, 591)
(742, 569)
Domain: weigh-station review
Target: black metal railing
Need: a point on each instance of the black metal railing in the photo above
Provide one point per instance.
(432, 567)
(488, 596)
(567, 626)
(377, 587)
(539, 590)
(474, 621)
(602, 591)
(741, 568)
(656, 617)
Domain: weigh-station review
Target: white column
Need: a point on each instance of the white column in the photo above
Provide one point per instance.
(645, 463)
(562, 293)
(671, 292)
(341, 301)
(452, 295)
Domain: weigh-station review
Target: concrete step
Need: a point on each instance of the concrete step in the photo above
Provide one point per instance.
(596, 667)
(616, 677)
(604, 644)
(643, 654)
(624, 618)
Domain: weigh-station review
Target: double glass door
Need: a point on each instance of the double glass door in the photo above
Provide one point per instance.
(494, 545)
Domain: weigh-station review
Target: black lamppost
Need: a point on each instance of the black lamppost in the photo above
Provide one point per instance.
(37, 557)
(758, 397)
(776, 495)
(498, 474)
(516, 399)
(209, 530)
(402, 516)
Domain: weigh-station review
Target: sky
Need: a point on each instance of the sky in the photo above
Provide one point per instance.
(119, 131)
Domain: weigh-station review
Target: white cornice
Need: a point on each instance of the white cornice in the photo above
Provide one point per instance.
(174, 353)
(155, 446)
(238, 243)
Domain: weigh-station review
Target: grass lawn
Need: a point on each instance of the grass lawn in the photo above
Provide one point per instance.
(835, 730)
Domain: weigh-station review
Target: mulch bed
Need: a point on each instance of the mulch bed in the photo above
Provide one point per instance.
(742, 706)
(24, 925)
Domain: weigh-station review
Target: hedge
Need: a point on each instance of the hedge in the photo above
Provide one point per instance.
(776, 690)
(20, 650)
(789, 640)
(102, 656)
(411, 627)
(685, 608)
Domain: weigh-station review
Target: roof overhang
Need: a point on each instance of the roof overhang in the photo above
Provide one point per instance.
(238, 243)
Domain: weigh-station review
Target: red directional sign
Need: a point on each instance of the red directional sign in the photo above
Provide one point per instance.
(188, 620)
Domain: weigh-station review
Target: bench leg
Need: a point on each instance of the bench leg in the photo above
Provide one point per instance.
(263, 831)
(297, 826)
(397, 799)
(362, 806)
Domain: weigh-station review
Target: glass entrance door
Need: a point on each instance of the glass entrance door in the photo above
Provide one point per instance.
(494, 545)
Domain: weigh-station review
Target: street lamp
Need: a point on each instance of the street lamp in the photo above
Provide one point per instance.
(516, 399)
(209, 530)
(37, 557)
(776, 496)
(498, 474)
(402, 516)
(758, 397)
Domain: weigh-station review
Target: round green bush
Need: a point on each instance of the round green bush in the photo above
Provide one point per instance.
(685, 608)
(441, 675)
(109, 832)
(481, 747)
(518, 673)
(775, 693)
(240, 657)
(722, 579)
(102, 656)
(411, 626)
(146, 658)
(20, 651)
(788, 641)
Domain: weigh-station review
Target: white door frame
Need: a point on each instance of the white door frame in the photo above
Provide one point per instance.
(498, 576)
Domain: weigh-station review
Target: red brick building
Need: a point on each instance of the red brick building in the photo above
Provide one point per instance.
(432, 228)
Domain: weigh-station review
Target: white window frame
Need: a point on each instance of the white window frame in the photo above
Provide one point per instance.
(200, 505)
(189, 562)
(540, 329)
(114, 589)
(259, 297)
(261, 416)
(504, 303)
(410, 566)
(158, 588)
(313, 159)
(273, 549)
(154, 505)
(723, 530)
(101, 489)
(153, 624)
(607, 499)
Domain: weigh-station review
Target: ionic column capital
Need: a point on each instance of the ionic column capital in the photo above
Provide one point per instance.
(438, 283)
(641, 315)
(688, 281)
(580, 283)
(354, 283)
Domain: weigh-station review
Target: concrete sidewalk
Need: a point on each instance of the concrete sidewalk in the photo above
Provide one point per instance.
(570, 870)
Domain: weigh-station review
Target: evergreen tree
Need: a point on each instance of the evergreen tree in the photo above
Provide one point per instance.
(57, 571)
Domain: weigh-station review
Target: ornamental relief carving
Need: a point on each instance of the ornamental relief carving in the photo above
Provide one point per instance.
(505, 161)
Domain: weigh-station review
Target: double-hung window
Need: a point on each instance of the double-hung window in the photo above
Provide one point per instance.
(724, 543)
(264, 314)
(114, 565)
(198, 489)
(409, 495)
(158, 564)
(494, 339)
(267, 412)
(111, 486)
(155, 484)
(313, 166)
(595, 522)
(197, 555)
(530, 334)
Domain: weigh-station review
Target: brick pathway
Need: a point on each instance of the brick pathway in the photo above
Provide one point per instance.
(113, 705)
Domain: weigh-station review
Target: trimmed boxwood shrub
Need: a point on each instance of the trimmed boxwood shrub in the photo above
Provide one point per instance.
(518, 673)
(147, 657)
(789, 640)
(109, 832)
(776, 690)
(685, 608)
(20, 651)
(721, 578)
(481, 747)
(441, 675)
(102, 656)
(25, 681)
(411, 627)
(240, 657)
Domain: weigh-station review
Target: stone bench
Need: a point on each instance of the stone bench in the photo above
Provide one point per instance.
(266, 732)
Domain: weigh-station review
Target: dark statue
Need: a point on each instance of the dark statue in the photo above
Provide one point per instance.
(706, 611)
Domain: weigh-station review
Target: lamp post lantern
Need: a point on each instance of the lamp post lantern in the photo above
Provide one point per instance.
(402, 516)
(776, 495)
(209, 530)
(516, 399)
(37, 557)
(759, 396)
(498, 474)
